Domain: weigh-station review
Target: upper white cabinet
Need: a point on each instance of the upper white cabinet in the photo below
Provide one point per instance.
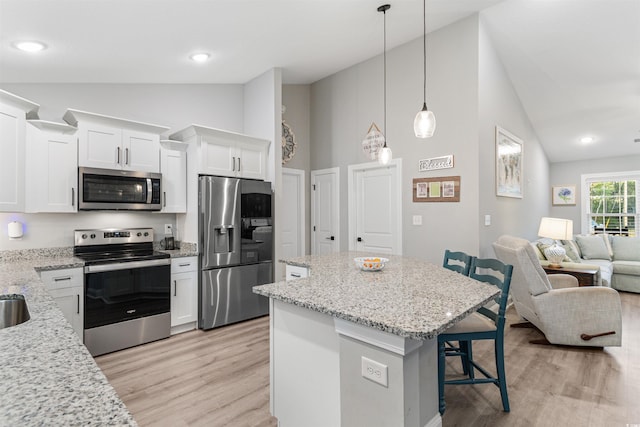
(14, 112)
(112, 143)
(173, 166)
(51, 167)
(226, 153)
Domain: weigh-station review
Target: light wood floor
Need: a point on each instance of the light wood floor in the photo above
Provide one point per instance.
(221, 378)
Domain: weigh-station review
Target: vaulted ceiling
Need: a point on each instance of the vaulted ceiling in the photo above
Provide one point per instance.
(574, 63)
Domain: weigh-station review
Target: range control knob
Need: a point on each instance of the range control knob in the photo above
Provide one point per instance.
(93, 236)
(139, 234)
(146, 234)
(84, 236)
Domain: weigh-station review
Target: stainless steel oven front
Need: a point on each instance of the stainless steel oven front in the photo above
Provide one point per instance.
(126, 304)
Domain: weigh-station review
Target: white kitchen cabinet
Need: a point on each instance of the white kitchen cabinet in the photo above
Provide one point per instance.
(66, 286)
(111, 143)
(14, 112)
(173, 166)
(184, 294)
(294, 272)
(226, 153)
(51, 167)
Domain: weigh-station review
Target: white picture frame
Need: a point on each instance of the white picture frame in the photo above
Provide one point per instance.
(509, 164)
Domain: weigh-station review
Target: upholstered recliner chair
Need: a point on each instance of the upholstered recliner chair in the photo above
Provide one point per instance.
(565, 313)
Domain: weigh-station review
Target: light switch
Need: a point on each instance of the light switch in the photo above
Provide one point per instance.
(487, 220)
(417, 220)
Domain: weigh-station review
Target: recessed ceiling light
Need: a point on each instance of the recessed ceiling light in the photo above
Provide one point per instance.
(200, 57)
(587, 140)
(30, 46)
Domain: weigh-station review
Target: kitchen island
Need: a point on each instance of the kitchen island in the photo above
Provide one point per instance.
(353, 348)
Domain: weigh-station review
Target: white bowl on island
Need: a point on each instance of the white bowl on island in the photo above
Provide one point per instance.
(370, 263)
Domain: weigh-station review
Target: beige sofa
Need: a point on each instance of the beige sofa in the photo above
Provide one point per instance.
(617, 257)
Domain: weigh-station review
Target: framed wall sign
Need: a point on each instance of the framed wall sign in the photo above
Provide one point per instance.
(563, 195)
(373, 142)
(434, 163)
(509, 163)
(436, 189)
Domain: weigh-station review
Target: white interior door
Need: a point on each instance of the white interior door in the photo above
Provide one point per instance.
(375, 208)
(292, 243)
(325, 211)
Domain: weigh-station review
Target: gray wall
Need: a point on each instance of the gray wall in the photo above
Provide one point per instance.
(500, 106)
(175, 106)
(470, 94)
(569, 173)
(297, 99)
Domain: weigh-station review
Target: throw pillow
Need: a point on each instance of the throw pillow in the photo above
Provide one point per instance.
(543, 246)
(536, 249)
(571, 252)
(626, 248)
(573, 244)
(593, 247)
(607, 243)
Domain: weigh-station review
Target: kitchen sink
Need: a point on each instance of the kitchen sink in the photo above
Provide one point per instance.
(13, 310)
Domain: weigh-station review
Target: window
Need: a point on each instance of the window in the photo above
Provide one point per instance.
(612, 203)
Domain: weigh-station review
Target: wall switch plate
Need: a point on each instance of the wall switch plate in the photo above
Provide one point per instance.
(374, 371)
(168, 229)
(487, 220)
(417, 220)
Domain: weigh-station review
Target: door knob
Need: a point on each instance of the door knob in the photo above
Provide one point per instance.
(359, 239)
(330, 238)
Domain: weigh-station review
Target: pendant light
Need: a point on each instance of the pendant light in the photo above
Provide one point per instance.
(384, 155)
(425, 122)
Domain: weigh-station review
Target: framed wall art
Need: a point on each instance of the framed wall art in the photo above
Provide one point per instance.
(563, 195)
(509, 162)
(436, 189)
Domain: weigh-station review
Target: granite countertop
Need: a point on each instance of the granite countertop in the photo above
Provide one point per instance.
(410, 297)
(185, 250)
(48, 376)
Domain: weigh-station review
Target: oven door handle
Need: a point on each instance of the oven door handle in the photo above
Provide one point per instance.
(126, 265)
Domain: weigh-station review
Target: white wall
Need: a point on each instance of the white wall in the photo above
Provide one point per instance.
(499, 105)
(175, 106)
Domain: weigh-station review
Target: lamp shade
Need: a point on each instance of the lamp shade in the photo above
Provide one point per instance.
(556, 228)
(425, 123)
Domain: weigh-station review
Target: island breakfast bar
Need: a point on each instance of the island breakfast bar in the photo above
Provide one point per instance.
(354, 348)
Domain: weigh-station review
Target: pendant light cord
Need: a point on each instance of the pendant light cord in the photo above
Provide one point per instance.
(384, 56)
(424, 46)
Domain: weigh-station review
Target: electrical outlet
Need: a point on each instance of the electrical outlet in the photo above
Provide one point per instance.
(374, 371)
(168, 229)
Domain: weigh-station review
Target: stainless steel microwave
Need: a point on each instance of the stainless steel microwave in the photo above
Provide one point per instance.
(106, 189)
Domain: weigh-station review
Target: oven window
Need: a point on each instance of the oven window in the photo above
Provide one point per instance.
(116, 296)
(114, 189)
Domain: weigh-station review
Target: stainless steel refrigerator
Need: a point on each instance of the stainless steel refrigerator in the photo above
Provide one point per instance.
(236, 247)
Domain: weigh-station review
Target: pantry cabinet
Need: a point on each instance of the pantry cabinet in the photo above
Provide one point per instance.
(173, 166)
(51, 167)
(112, 143)
(184, 294)
(14, 112)
(66, 286)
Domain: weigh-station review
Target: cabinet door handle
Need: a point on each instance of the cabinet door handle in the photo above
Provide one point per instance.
(118, 156)
(126, 156)
(73, 196)
(295, 275)
(164, 204)
(60, 279)
(238, 164)
(175, 288)
(184, 265)
(233, 168)
(78, 310)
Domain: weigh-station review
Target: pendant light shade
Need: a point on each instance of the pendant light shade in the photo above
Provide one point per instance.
(424, 124)
(384, 155)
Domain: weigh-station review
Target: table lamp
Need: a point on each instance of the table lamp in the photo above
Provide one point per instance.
(557, 229)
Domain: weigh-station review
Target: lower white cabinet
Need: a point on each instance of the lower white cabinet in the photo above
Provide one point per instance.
(66, 286)
(294, 272)
(184, 294)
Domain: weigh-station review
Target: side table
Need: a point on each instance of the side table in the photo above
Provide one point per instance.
(585, 276)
